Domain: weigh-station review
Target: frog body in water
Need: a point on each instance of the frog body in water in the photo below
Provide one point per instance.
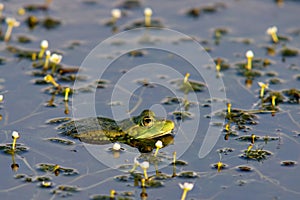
(140, 131)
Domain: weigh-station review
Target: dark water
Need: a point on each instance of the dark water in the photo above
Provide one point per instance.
(82, 22)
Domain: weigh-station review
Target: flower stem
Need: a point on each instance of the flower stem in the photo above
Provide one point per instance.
(183, 196)
(8, 33)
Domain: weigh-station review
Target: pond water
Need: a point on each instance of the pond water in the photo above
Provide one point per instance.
(257, 142)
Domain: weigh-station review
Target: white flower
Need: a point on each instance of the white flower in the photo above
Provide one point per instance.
(186, 186)
(48, 53)
(159, 144)
(116, 13)
(15, 135)
(148, 12)
(55, 58)
(1, 97)
(116, 146)
(249, 54)
(44, 44)
(272, 30)
(144, 165)
(12, 22)
(264, 85)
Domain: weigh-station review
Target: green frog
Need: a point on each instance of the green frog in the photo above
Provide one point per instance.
(140, 131)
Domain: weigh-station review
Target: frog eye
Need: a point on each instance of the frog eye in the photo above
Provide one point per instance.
(147, 121)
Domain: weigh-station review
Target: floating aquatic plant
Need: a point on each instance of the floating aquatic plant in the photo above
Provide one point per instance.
(289, 52)
(274, 98)
(188, 174)
(219, 166)
(32, 21)
(57, 169)
(61, 141)
(193, 12)
(24, 39)
(11, 23)
(186, 85)
(293, 95)
(256, 154)
(257, 138)
(221, 64)
(19, 148)
(288, 163)
(244, 168)
(20, 52)
(51, 23)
